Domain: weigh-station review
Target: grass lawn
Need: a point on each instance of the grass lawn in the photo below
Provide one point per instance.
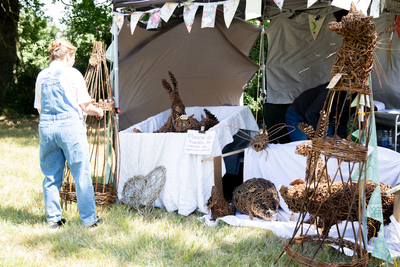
(127, 238)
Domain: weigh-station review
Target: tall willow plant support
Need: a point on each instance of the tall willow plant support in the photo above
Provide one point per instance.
(339, 203)
(102, 135)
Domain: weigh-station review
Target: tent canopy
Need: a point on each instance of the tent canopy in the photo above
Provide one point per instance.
(212, 67)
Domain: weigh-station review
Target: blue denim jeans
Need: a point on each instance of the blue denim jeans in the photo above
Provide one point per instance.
(293, 119)
(63, 138)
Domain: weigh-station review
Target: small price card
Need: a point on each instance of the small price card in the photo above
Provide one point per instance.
(334, 80)
(199, 143)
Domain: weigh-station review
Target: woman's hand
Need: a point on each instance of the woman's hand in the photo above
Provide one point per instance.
(90, 109)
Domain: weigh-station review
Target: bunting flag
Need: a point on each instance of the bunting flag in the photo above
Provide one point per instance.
(310, 3)
(167, 10)
(229, 11)
(279, 3)
(154, 20)
(189, 11)
(209, 11)
(374, 206)
(119, 20)
(315, 25)
(135, 17)
(253, 9)
(375, 7)
(382, 5)
(363, 5)
(343, 4)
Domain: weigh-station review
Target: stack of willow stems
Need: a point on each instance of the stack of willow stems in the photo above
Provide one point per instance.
(102, 135)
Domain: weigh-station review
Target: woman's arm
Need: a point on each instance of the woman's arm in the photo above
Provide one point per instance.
(90, 109)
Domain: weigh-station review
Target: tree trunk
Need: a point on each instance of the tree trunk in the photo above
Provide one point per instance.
(9, 45)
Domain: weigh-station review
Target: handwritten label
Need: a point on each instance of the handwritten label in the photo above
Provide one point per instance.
(197, 143)
(334, 81)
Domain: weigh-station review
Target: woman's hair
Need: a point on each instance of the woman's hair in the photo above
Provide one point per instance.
(59, 48)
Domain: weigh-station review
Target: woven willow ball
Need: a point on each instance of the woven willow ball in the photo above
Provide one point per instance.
(257, 197)
(260, 142)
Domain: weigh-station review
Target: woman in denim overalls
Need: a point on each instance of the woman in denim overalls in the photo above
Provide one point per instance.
(60, 97)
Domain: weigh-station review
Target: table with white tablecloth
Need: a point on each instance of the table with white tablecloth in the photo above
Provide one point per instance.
(188, 179)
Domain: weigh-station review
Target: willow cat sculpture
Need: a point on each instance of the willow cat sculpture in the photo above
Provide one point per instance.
(102, 135)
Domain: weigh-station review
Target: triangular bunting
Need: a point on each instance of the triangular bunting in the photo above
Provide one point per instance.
(135, 17)
(253, 9)
(189, 11)
(381, 250)
(315, 25)
(363, 5)
(374, 209)
(154, 20)
(167, 10)
(279, 3)
(375, 8)
(343, 4)
(311, 2)
(382, 5)
(208, 19)
(229, 11)
(119, 20)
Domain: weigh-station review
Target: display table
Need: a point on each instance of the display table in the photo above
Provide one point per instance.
(188, 180)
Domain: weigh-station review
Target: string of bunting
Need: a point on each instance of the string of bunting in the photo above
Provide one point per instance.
(252, 11)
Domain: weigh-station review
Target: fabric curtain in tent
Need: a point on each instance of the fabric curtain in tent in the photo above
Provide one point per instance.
(388, 94)
(292, 49)
(210, 65)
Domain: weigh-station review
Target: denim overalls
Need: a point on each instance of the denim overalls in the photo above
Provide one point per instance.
(63, 138)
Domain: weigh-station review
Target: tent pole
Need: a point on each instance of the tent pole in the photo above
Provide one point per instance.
(263, 69)
(116, 88)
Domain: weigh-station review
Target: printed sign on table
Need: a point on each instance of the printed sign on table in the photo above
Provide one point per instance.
(199, 143)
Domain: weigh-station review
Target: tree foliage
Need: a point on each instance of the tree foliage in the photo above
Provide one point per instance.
(25, 36)
(87, 21)
(252, 93)
(23, 47)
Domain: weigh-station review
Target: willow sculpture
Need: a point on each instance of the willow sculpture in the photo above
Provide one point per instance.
(335, 197)
(102, 135)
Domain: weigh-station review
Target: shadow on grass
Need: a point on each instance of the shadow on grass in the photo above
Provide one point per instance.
(20, 216)
(25, 129)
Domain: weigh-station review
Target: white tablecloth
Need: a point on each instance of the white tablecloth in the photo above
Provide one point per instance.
(188, 180)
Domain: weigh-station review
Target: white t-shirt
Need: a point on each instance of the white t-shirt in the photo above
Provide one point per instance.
(71, 81)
